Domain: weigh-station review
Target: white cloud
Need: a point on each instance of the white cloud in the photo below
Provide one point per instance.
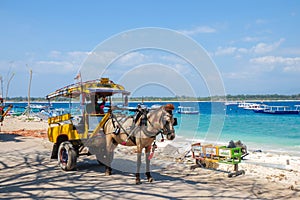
(54, 62)
(54, 67)
(230, 51)
(262, 48)
(286, 63)
(197, 30)
(276, 60)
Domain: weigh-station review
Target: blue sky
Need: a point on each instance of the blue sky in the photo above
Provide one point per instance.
(254, 44)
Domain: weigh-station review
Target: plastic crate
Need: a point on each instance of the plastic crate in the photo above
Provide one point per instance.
(197, 150)
(230, 155)
(210, 151)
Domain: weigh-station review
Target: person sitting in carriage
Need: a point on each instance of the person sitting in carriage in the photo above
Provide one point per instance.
(94, 107)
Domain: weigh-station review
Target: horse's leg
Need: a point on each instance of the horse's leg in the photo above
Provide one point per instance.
(138, 165)
(147, 152)
(109, 155)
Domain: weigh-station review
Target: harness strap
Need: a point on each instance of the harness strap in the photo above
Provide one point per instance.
(129, 135)
(149, 132)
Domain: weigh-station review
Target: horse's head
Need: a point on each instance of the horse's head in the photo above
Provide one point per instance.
(168, 121)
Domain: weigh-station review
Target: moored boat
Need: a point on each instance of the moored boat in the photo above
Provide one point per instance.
(228, 103)
(187, 110)
(249, 106)
(279, 110)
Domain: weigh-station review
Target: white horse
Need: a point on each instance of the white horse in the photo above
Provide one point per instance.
(140, 132)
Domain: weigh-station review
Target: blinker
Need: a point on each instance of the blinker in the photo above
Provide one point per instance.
(175, 122)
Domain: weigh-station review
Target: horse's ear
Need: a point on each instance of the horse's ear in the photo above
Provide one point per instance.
(169, 107)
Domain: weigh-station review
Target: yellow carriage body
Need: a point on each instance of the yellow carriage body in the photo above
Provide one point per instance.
(63, 128)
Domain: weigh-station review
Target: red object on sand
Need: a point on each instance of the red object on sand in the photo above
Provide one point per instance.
(151, 155)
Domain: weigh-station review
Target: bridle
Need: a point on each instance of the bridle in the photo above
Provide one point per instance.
(165, 130)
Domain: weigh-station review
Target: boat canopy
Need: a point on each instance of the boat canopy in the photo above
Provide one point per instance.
(102, 86)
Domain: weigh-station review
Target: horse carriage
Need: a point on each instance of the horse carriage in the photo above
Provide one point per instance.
(95, 128)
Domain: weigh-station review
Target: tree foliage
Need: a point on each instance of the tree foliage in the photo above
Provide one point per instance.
(240, 97)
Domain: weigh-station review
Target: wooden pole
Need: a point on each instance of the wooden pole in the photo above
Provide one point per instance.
(29, 86)
(8, 82)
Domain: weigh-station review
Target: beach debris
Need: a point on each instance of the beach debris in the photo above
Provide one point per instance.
(288, 166)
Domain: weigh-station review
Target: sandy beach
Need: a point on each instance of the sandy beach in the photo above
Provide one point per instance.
(26, 171)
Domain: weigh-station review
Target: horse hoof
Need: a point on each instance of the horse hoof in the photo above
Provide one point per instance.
(138, 182)
(107, 173)
(150, 180)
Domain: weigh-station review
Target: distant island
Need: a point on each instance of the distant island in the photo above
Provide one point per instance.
(247, 97)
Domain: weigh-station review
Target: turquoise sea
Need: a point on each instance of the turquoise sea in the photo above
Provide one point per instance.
(258, 131)
(218, 123)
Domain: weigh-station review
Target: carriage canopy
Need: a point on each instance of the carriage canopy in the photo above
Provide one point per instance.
(103, 86)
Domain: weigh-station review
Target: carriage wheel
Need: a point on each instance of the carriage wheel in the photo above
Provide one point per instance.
(67, 156)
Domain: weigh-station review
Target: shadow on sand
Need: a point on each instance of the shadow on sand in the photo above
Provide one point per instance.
(5, 137)
(34, 176)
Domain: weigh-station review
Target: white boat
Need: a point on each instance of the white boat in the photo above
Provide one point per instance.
(187, 110)
(228, 103)
(155, 106)
(261, 107)
(280, 110)
(249, 106)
